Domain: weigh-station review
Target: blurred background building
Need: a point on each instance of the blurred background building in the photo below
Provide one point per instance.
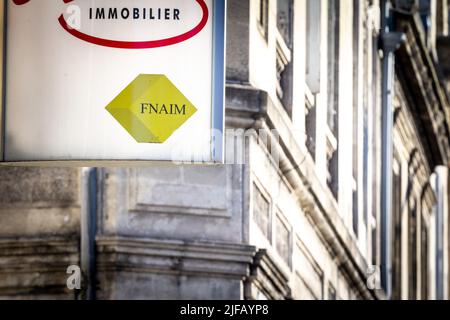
(335, 187)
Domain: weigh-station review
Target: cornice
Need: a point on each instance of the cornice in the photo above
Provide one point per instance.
(409, 135)
(419, 77)
(38, 255)
(117, 254)
(36, 267)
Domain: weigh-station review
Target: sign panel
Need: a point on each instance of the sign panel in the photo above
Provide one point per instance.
(114, 80)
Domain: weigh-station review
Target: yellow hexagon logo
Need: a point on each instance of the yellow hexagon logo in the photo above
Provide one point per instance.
(151, 108)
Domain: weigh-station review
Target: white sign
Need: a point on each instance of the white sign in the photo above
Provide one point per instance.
(114, 80)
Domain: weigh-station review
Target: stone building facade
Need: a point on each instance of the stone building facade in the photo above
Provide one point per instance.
(335, 184)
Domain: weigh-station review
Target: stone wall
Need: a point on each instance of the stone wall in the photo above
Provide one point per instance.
(39, 231)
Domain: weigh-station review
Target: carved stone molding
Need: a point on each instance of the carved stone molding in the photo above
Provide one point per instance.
(36, 268)
(267, 278)
(151, 200)
(172, 257)
(419, 76)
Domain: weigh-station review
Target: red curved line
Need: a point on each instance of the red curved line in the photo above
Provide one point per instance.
(140, 44)
(22, 2)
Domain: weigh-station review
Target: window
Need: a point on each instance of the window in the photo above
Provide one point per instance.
(396, 234)
(261, 211)
(310, 123)
(425, 16)
(368, 103)
(313, 42)
(312, 70)
(371, 145)
(357, 117)
(424, 256)
(412, 252)
(263, 18)
(442, 18)
(355, 212)
(285, 20)
(283, 240)
(333, 96)
(333, 65)
(284, 48)
(333, 169)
